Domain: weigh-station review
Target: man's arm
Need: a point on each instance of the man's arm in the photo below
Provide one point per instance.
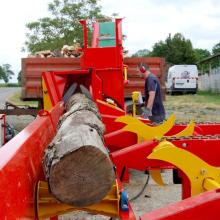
(150, 93)
(150, 101)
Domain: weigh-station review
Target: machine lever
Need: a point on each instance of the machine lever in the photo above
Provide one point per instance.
(71, 90)
(86, 92)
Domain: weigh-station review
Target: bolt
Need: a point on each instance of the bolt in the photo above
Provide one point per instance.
(184, 144)
(203, 172)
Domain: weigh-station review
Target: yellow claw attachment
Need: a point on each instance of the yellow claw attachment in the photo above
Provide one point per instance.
(156, 176)
(188, 131)
(47, 206)
(202, 176)
(145, 131)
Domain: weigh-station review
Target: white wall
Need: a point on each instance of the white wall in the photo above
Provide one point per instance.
(210, 82)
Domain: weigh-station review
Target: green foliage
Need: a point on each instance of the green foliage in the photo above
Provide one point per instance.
(201, 54)
(6, 72)
(216, 48)
(63, 27)
(9, 85)
(142, 53)
(176, 50)
(19, 77)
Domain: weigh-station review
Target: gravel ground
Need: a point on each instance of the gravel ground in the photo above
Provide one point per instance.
(153, 196)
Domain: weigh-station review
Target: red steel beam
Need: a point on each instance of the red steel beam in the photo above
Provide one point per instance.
(135, 156)
(21, 165)
(203, 206)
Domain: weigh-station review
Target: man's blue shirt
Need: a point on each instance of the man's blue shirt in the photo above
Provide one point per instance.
(152, 84)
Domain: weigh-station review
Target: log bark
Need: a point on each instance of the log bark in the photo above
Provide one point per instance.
(76, 163)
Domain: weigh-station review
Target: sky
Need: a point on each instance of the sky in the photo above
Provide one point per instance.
(145, 23)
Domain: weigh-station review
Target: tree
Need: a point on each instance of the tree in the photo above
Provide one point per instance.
(176, 50)
(142, 53)
(201, 54)
(216, 49)
(63, 27)
(6, 72)
(19, 77)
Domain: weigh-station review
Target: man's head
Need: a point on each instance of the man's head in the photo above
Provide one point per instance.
(144, 69)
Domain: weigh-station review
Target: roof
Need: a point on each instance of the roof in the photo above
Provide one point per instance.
(209, 58)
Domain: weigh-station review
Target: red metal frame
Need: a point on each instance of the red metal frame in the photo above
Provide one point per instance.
(200, 129)
(20, 165)
(203, 206)
(95, 35)
(102, 74)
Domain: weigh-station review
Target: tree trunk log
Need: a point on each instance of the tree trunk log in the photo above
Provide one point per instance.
(76, 163)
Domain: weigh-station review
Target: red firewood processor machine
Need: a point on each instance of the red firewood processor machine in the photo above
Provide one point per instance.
(133, 143)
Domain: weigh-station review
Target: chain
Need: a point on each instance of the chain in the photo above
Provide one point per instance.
(198, 137)
(199, 123)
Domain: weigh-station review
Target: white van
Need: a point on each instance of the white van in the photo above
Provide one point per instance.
(182, 78)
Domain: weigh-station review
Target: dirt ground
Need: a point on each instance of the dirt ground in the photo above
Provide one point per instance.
(201, 107)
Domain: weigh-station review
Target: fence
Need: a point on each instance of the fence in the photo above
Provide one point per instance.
(210, 82)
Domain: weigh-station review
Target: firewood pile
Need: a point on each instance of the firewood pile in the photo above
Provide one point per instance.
(67, 51)
(72, 51)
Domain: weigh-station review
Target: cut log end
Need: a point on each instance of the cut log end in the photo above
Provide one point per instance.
(76, 163)
(82, 184)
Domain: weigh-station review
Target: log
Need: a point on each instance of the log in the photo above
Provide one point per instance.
(76, 163)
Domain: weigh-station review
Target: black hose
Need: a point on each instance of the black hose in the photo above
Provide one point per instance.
(122, 174)
(142, 190)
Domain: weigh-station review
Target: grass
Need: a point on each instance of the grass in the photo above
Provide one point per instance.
(16, 100)
(209, 97)
(203, 106)
(10, 85)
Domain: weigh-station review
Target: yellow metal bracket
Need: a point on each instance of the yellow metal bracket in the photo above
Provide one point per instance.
(46, 98)
(188, 131)
(109, 105)
(156, 176)
(125, 72)
(202, 176)
(135, 97)
(47, 206)
(147, 132)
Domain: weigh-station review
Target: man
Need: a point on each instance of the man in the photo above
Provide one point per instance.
(153, 109)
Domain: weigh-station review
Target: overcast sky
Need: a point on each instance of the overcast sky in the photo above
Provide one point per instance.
(146, 22)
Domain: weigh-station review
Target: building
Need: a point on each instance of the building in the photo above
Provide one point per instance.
(209, 74)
